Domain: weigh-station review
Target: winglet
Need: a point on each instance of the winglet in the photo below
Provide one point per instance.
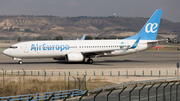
(83, 38)
(135, 44)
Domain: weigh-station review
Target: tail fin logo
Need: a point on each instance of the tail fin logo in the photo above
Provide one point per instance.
(151, 27)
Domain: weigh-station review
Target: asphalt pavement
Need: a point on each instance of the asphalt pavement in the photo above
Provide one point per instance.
(145, 59)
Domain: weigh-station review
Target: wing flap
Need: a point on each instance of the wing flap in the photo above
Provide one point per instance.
(99, 52)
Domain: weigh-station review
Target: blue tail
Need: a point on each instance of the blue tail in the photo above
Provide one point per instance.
(84, 36)
(150, 29)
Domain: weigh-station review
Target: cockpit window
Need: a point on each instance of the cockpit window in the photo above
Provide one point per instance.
(13, 47)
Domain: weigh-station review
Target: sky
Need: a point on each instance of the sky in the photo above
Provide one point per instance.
(72, 8)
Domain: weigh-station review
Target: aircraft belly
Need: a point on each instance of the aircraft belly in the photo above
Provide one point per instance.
(45, 54)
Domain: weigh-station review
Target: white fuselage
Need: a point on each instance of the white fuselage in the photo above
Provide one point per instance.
(58, 49)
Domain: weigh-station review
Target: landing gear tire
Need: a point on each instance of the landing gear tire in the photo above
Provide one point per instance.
(90, 61)
(83, 60)
(20, 62)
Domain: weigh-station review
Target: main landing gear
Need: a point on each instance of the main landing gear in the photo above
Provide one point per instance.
(90, 61)
(20, 62)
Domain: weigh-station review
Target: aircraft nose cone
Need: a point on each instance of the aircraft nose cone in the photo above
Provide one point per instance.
(6, 52)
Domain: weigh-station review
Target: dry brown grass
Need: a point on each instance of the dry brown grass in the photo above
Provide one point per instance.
(30, 86)
(23, 85)
(97, 82)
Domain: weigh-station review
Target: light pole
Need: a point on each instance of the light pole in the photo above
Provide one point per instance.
(23, 74)
(3, 76)
(44, 75)
(85, 81)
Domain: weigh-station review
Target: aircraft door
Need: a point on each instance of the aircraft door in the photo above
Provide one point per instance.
(26, 48)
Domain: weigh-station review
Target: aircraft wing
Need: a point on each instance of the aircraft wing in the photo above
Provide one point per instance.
(99, 52)
(152, 42)
(111, 50)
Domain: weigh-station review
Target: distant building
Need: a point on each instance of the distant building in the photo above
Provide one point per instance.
(114, 14)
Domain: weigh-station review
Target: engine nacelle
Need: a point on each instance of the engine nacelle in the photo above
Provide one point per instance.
(74, 57)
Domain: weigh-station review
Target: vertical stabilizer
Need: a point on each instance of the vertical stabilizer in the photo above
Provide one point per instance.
(150, 29)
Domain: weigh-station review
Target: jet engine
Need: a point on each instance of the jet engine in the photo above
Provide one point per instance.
(74, 57)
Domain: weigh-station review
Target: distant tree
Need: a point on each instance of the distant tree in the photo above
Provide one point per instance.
(88, 38)
(23, 15)
(122, 37)
(104, 38)
(16, 29)
(19, 39)
(42, 38)
(59, 38)
(33, 31)
(27, 30)
(97, 38)
(11, 29)
(46, 38)
(112, 37)
(4, 29)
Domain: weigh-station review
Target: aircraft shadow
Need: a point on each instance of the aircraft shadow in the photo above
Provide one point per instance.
(103, 62)
(29, 62)
(123, 61)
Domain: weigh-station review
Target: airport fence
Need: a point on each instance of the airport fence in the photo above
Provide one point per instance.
(161, 93)
(124, 73)
(18, 82)
(47, 96)
(18, 85)
(148, 91)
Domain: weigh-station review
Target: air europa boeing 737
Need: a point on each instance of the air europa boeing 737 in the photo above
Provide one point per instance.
(79, 50)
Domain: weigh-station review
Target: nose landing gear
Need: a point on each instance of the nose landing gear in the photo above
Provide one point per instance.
(19, 59)
(20, 62)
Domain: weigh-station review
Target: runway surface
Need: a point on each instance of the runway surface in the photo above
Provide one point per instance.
(145, 59)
